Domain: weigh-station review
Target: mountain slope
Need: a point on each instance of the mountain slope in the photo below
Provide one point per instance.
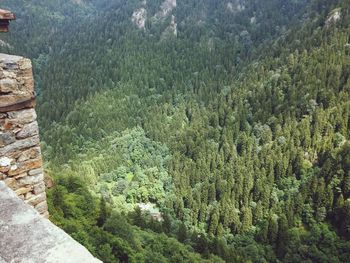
(236, 129)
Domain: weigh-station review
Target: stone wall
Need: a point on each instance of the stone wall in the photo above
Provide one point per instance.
(25, 236)
(20, 156)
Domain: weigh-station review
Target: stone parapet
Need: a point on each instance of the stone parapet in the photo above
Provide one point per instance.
(25, 236)
(20, 155)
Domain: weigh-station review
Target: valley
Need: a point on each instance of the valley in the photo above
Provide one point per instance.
(194, 131)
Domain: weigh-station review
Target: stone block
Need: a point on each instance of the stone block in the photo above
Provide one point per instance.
(5, 161)
(7, 138)
(4, 169)
(36, 171)
(23, 116)
(45, 215)
(25, 155)
(8, 85)
(20, 175)
(2, 176)
(41, 207)
(23, 190)
(49, 182)
(5, 164)
(25, 166)
(8, 74)
(28, 195)
(20, 145)
(30, 180)
(36, 199)
(28, 130)
(10, 182)
(10, 125)
(17, 82)
(39, 188)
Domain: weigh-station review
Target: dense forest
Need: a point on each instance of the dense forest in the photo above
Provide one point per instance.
(228, 120)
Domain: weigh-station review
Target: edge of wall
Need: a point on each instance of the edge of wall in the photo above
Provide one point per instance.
(21, 166)
(25, 236)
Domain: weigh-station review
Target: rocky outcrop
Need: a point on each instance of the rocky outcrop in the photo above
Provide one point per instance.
(139, 18)
(333, 17)
(235, 6)
(25, 236)
(20, 155)
(166, 7)
(171, 30)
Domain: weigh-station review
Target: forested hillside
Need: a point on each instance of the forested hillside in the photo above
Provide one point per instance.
(229, 118)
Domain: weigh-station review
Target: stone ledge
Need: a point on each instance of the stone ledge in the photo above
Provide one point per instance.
(25, 236)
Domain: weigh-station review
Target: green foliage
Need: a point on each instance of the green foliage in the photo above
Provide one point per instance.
(128, 169)
(111, 237)
(237, 130)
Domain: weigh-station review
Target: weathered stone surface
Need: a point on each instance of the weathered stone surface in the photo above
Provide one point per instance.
(20, 145)
(27, 237)
(20, 175)
(36, 199)
(6, 138)
(9, 62)
(25, 166)
(28, 130)
(39, 188)
(5, 161)
(21, 104)
(30, 180)
(16, 82)
(28, 195)
(10, 125)
(23, 116)
(49, 183)
(45, 215)
(41, 207)
(8, 85)
(5, 164)
(2, 176)
(10, 182)
(36, 171)
(22, 156)
(23, 190)
(4, 169)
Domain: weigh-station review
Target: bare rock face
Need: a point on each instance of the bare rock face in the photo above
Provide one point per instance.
(166, 7)
(171, 30)
(139, 18)
(25, 236)
(235, 6)
(333, 17)
(20, 155)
